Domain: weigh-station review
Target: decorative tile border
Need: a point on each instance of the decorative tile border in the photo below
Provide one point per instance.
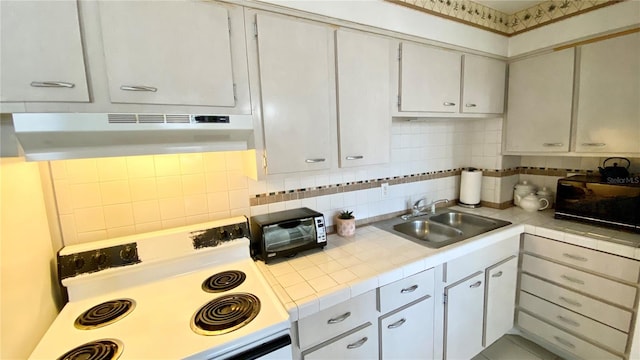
(478, 15)
(275, 197)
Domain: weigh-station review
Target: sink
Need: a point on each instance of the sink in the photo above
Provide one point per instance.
(427, 231)
(441, 229)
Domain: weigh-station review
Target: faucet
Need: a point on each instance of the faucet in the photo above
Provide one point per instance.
(418, 210)
(433, 204)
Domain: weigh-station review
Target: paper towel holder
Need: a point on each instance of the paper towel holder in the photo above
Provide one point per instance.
(466, 205)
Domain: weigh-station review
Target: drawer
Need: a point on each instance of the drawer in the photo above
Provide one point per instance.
(458, 269)
(597, 286)
(359, 344)
(604, 313)
(608, 264)
(404, 291)
(562, 339)
(574, 322)
(337, 319)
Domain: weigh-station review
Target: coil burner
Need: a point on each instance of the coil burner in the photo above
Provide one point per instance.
(105, 349)
(104, 314)
(225, 314)
(223, 281)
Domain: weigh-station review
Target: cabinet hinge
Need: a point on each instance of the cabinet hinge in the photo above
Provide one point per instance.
(235, 94)
(264, 160)
(399, 100)
(255, 29)
(444, 298)
(229, 21)
(400, 53)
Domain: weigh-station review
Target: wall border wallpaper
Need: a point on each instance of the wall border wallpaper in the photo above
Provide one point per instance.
(486, 18)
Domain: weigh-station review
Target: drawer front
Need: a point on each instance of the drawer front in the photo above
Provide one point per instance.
(607, 264)
(597, 286)
(404, 291)
(361, 344)
(458, 269)
(604, 313)
(562, 339)
(582, 325)
(337, 319)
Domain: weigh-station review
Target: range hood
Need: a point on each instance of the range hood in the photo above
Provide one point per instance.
(74, 136)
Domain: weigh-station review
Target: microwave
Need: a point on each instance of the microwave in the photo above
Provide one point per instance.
(285, 233)
(594, 200)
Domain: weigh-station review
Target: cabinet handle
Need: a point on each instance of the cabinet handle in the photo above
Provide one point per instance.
(572, 279)
(138, 88)
(568, 321)
(357, 157)
(446, 103)
(397, 324)
(498, 274)
(313, 161)
(552, 144)
(570, 301)
(470, 105)
(55, 84)
(358, 343)
(564, 342)
(409, 289)
(340, 318)
(594, 144)
(575, 257)
(475, 284)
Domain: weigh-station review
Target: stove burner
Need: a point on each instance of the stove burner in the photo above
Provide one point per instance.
(225, 314)
(104, 314)
(223, 281)
(105, 349)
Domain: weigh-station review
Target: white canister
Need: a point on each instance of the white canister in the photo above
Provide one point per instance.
(522, 189)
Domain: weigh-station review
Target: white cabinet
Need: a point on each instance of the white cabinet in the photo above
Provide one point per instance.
(296, 66)
(483, 85)
(408, 333)
(360, 344)
(608, 111)
(364, 117)
(463, 318)
(429, 79)
(500, 299)
(41, 54)
(176, 52)
(540, 103)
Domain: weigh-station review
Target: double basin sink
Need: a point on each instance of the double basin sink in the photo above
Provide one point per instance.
(441, 229)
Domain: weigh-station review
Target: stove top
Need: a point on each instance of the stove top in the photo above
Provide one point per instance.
(177, 301)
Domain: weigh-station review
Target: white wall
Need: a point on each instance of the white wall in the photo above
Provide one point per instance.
(26, 259)
(607, 19)
(401, 19)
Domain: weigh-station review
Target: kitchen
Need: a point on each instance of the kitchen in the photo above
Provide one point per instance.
(93, 199)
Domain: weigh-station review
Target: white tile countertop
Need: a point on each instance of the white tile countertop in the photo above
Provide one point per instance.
(347, 267)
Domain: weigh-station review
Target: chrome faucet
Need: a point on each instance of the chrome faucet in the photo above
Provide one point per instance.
(433, 204)
(418, 210)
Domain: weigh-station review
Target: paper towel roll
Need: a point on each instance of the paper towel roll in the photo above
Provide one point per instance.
(470, 186)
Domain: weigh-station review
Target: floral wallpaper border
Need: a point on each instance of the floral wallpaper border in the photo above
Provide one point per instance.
(478, 15)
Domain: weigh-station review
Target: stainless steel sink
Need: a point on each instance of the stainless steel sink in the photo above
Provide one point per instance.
(427, 231)
(441, 229)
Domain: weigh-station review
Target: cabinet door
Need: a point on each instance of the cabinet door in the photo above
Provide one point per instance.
(609, 96)
(539, 103)
(296, 65)
(361, 344)
(429, 79)
(408, 334)
(500, 299)
(167, 52)
(41, 52)
(463, 318)
(483, 85)
(364, 116)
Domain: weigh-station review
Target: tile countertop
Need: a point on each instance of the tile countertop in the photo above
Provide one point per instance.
(347, 267)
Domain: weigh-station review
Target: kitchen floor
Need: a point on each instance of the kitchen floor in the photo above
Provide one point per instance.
(513, 347)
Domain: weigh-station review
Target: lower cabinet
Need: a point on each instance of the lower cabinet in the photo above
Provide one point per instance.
(463, 317)
(500, 299)
(408, 333)
(361, 343)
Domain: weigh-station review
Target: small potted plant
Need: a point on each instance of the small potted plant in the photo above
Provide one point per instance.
(346, 224)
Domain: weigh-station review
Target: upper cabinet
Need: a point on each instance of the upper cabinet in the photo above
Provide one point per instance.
(429, 79)
(297, 90)
(483, 85)
(167, 52)
(608, 110)
(364, 117)
(41, 54)
(540, 102)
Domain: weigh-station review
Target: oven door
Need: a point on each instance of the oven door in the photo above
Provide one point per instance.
(278, 348)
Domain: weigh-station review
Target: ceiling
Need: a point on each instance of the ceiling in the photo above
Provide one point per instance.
(508, 6)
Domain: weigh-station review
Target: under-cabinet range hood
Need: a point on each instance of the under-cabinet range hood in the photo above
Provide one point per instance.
(73, 136)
